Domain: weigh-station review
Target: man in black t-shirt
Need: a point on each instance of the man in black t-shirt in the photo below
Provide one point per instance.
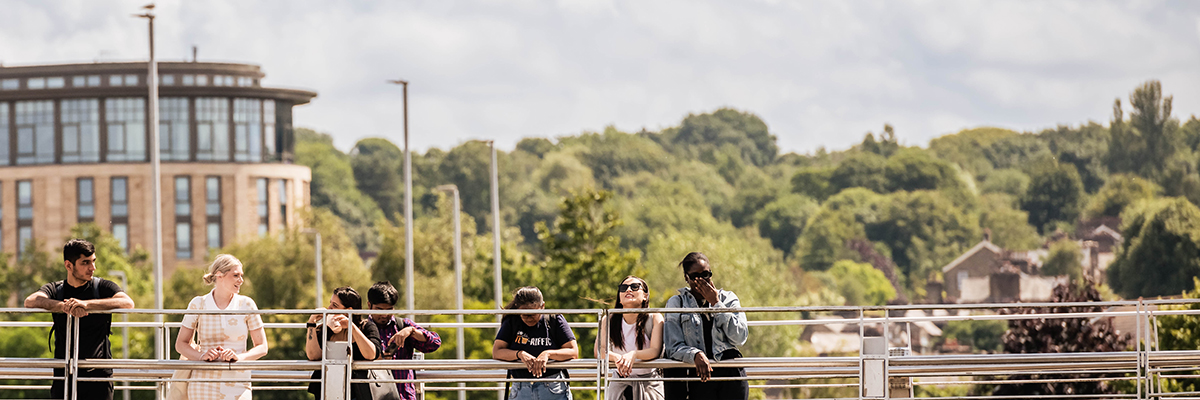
(78, 295)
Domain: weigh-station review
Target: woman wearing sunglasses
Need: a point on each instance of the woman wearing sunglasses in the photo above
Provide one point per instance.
(635, 337)
(700, 338)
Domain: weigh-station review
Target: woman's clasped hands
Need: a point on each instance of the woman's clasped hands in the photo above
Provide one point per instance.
(219, 353)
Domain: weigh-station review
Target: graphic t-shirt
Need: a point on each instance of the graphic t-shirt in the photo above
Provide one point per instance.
(93, 329)
(550, 333)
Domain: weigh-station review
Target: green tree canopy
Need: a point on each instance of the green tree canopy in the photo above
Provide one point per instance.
(1119, 192)
(861, 284)
(1054, 195)
(1161, 251)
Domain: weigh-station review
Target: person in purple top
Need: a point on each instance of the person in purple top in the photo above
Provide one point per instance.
(400, 335)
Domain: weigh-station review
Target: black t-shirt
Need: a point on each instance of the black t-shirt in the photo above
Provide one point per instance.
(550, 333)
(369, 330)
(93, 329)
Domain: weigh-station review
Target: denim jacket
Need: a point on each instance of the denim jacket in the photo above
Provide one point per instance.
(682, 333)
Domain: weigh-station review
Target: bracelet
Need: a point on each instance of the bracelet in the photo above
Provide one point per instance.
(310, 325)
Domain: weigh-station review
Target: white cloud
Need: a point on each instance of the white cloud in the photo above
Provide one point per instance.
(819, 73)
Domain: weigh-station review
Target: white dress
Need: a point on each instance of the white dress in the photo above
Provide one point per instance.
(229, 331)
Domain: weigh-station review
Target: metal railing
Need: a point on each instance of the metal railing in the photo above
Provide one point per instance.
(1146, 366)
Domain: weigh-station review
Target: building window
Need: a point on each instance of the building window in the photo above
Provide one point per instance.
(201, 80)
(80, 130)
(131, 80)
(212, 129)
(10, 84)
(262, 207)
(78, 81)
(189, 80)
(166, 80)
(35, 132)
(183, 217)
(247, 130)
(56, 82)
(126, 129)
(24, 215)
(283, 202)
(93, 81)
(4, 133)
(86, 204)
(222, 80)
(174, 121)
(115, 80)
(35, 83)
(183, 240)
(212, 211)
(269, 130)
(244, 81)
(120, 210)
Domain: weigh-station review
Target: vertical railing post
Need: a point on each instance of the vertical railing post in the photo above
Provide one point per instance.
(68, 344)
(1138, 343)
(74, 359)
(602, 352)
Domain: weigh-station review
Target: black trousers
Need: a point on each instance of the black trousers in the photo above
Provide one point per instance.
(87, 390)
(714, 390)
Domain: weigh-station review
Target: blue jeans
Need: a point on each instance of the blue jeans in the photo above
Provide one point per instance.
(549, 390)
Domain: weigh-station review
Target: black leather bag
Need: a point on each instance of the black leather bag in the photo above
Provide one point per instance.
(377, 389)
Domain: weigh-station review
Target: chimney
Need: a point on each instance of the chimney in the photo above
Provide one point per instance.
(987, 235)
(194, 51)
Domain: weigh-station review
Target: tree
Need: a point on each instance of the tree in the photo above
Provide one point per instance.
(782, 220)
(813, 182)
(1178, 332)
(980, 335)
(334, 187)
(1119, 192)
(1145, 142)
(865, 170)
(583, 258)
(924, 231)
(1008, 181)
(861, 284)
(1161, 250)
(1010, 227)
(1064, 259)
(739, 134)
(1085, 147)
(378, 165)
(1054, 195)
(966, 148)
(1068, 335)
(887, 144)
(840, 219)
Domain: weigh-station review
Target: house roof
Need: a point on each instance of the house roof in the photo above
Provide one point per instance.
(982, 245)
(1106, 231)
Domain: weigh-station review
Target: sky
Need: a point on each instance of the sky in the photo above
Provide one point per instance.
(819, 73)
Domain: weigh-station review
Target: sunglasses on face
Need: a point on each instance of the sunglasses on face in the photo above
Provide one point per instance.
(636, 286)
(700, 275)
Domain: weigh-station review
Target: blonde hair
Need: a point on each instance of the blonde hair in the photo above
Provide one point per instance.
(222, 264)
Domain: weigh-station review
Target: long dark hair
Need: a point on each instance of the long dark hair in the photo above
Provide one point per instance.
(614, 327)
(349, 298)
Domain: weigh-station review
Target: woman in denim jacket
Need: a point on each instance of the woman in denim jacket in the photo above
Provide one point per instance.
(698, 338)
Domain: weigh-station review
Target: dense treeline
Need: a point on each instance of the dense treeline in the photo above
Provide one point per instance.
(872, 224)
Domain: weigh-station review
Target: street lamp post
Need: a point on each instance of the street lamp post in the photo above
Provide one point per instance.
(458, 279)
(496, 229)
(320, 276)
(156, 180)
(124, 329)
(408, 217)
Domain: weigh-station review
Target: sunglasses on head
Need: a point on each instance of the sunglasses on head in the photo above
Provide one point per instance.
(636, 286)
(700, 275)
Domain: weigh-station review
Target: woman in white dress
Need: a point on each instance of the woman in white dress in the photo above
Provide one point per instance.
(633, 337)
(222, 337)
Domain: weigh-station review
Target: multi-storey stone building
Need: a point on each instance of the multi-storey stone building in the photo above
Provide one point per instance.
(74, 144)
